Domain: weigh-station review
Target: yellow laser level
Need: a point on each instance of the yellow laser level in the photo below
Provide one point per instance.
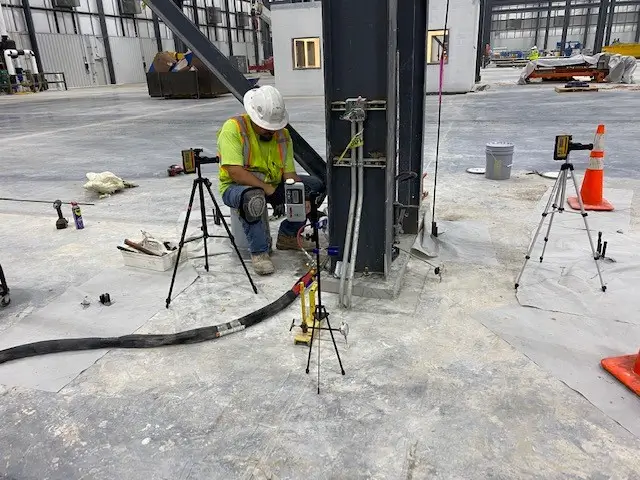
(188, 161)
(561, 149)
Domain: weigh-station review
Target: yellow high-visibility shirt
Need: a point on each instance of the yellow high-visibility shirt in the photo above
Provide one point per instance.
(263, 157)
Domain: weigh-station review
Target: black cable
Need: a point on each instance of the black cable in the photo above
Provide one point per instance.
(39, 201)
(434, 228)
(195, 335)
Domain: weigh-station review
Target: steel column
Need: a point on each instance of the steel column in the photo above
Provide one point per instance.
(267, 47)
(360, 67)
(28, 18)
(546, 28)
(480, 46)
(484, 32)
(612, 9)
(600, 26)
(229, 37)
(637, 38)
(156, 31)
(222, 68)
(412, 34)
(105, 41)
(535, 38)
(565, 25)
(255, 27)
(177, 41)
(196, 19)
(586, 28)
(486, 18)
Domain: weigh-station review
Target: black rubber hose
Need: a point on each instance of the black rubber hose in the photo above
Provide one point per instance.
(195, 335)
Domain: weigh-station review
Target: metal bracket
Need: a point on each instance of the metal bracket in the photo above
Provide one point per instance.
(367, 162)
(357, 103)
(355, 109)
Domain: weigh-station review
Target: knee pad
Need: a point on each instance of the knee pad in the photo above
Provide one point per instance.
(252, 205)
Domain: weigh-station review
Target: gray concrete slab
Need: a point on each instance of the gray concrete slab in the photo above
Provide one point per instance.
(429, 392)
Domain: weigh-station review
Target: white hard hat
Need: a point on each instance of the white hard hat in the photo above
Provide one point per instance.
(265, 107)
(534, 48)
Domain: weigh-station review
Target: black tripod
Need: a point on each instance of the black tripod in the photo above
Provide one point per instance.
(198, 183)
(320, 312)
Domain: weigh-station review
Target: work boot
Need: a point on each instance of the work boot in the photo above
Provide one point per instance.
(285, 242)
(262, 264)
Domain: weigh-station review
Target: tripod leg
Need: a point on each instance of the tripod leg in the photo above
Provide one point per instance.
(527, 256)
(586, 226)
(181, 244)
(230, 235)
(313, 331)
(556, 207)
(335, 346)
(205, 230)
(319, 310)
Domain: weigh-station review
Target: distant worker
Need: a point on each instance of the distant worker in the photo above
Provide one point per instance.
(256, 157)
(534, 54)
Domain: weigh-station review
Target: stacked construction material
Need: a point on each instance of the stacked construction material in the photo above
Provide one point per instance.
(602, 67)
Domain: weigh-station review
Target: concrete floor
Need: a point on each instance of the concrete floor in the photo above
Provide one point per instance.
(429, 392)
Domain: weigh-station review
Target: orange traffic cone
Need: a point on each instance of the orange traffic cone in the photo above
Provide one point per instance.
(626, 369)
(593, 181)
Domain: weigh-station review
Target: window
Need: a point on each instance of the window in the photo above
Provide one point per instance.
(437, 46)
(514, 24)
(306, 53)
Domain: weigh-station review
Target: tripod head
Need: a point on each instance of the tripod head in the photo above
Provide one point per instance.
(313, 213)
(202, 160)
(198, 160)
(564, 146)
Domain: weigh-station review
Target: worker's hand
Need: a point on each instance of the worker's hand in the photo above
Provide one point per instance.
(307, 207)
(268, 190)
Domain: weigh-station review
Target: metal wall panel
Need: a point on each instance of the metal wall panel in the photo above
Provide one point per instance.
(65, 53)
(149, 50)
(168, 45)
(127, 60)
(21, 39)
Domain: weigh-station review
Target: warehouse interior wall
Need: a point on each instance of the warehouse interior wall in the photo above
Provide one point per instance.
(462, 24)
(72, 41)
(298, 24)
(512, 29)
(303, 21)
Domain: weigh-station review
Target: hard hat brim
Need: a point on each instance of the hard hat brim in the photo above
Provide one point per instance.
(247, 101)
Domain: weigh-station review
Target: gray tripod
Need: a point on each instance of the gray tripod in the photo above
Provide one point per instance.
(556, 203)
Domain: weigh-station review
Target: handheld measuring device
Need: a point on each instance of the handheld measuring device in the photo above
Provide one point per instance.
(294, 201)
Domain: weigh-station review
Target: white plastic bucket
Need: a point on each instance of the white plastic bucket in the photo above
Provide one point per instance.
(499, 160)
(238, 232)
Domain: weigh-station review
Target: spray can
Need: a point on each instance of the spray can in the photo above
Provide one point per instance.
(77, 215)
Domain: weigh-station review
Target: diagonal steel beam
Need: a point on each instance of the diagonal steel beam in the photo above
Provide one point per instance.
(235, 81)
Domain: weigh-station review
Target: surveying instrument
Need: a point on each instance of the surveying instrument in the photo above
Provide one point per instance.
(199, 183)
(557, 200)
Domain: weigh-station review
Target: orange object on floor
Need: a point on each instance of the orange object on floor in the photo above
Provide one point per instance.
(593, 181)
(626, 369)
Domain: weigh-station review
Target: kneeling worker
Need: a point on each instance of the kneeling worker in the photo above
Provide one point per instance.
(256, 157)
